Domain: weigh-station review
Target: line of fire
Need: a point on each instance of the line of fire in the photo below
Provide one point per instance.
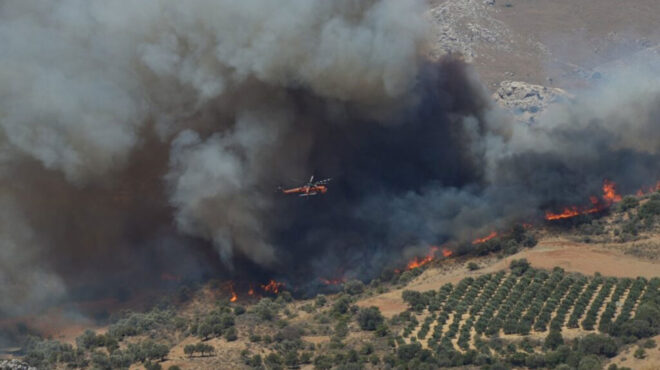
(435, 253)
(598, 204)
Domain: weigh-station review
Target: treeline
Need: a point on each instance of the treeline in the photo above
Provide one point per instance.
(109, 350)
(45, 354)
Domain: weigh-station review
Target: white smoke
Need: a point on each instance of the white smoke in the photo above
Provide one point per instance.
(214, 183)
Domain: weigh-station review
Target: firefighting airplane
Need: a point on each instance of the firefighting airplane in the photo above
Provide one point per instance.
(311, 188)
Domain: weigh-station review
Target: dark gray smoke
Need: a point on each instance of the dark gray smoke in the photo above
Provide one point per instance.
(150, 137)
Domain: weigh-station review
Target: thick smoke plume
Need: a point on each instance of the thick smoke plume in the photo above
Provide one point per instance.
(144, 137)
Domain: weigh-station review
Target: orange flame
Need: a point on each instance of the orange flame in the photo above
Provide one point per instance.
(485, 238)
(430, 257)
(427, 259)
(421, 261)
(417, 262)
(273, 286)
(251, 291)
(234, 296)
(650, 189)
(566, 213)
(610, 196)
(609, 192)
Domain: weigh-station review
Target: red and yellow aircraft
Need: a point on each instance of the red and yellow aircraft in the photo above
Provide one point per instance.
(311, 188)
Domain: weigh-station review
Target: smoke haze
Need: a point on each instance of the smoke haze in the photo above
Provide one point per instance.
(142, 137)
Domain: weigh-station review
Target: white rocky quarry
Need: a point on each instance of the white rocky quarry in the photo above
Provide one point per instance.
(526, 101)
(15, 365)
(463, 26)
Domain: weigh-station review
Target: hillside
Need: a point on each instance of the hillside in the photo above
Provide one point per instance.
(559, 43)
(597, 292)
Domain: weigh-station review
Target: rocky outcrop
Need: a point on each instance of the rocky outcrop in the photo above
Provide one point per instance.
(15, 365)
(464, 26)
(526, 101)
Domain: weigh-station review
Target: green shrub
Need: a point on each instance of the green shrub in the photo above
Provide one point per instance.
(553, 340)
(598, 344)
(274, 361)
(239, 310)
(100, 360)
(132, 324)
(189, 350)
(341, 329)
(204, 348)
(341, 305)
(323, 362)
(231, 334)
(628, 202)
(407, 352)
(416, 300)
(266, 309)
(518, 267)
(382, 330)
(152, 366)
(370, 318)
(640, 353)
(651, 208)
(291, 359)
(354, 287)
(321, 300)
(255, 361)
(589, 363)
(89, 340)
(306, 358)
